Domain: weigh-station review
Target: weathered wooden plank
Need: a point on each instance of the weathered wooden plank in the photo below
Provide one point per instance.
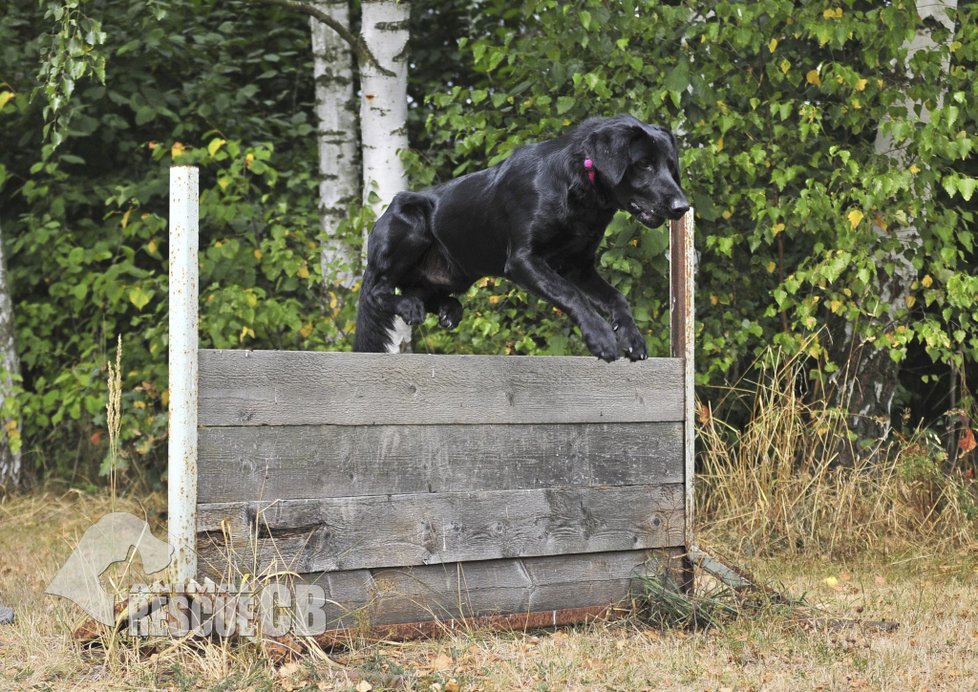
(313, 388)
(293, 462)
(379, 531)
(682, 258)
(366, 598)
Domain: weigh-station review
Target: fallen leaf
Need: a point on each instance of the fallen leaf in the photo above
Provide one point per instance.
(441, 662)
(967, 442)
(364, 686)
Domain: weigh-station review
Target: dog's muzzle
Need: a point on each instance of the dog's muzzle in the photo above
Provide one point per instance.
(647, 217)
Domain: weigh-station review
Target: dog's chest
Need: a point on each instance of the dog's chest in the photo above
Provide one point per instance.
(576, 238)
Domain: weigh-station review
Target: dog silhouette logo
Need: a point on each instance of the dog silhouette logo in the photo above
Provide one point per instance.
(103, 544)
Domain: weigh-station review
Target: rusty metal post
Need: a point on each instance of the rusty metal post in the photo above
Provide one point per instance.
(182, 453)
(682, 269)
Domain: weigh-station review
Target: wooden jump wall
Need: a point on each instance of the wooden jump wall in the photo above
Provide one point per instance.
(420, 488)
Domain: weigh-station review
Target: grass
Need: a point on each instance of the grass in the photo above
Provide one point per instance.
(829, 643)
(892, 537)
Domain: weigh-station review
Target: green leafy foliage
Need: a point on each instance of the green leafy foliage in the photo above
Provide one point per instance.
(779, 105)
(781, 109)
(86, 229)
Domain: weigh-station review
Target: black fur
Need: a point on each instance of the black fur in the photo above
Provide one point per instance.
(536, 219)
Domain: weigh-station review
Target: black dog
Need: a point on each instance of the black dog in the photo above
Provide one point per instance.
(537, 219)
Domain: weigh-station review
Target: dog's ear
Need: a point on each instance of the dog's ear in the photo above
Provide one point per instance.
(609, 149)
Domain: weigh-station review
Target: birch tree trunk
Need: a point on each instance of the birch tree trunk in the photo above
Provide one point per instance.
(339, 167)
(9, 367)
(383, 114)
(870, 376)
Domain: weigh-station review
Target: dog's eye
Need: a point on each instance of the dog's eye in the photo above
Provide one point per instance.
(646, 165)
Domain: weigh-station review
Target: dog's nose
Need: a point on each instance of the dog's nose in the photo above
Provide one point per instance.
(678, 207)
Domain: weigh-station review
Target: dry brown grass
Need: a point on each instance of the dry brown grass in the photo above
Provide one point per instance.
(777, 485)
(930, 592)
(888, 540)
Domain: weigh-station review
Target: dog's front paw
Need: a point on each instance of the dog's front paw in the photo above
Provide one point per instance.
(632, 342)
(601, 341)
(449, 313)
(411, 309)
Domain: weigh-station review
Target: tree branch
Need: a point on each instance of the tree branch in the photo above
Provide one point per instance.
(364, 56)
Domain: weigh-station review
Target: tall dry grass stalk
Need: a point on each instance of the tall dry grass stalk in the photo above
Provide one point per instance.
(113, 412)
(776, 484)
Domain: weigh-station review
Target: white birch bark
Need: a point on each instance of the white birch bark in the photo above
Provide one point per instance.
(870, 377)
(9, 367)
(339, 167)
(383, 114)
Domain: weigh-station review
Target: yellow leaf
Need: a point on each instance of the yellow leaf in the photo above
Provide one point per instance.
(165, 397)
(831, 582)
(832, 13)
(258, 254)
(813, 78)
(836, 306)
(249, 159)
(714, 299)
(215, 144)
(855, 216)
(927, 281)
(719, 144)
(771, 266)
(303, 272)
(861, 84)
(785, 65)
(914, 168)
(773, 45)
(5, 98)
(125, 217)
(177, 149)
(306, 330)
(778, 227)
(726, 214)
(333, 300)
(251, 299)
(223, 182)
(246, 331)
(151, 247)
(633, 242)
(493, 300)
(910, 300)
(139, 404)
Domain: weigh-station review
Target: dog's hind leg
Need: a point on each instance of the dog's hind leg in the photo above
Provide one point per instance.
(396, 245)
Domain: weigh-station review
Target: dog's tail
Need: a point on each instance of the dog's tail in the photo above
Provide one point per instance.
(374, 320)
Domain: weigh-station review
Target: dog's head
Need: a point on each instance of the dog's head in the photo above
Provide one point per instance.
(640, 164)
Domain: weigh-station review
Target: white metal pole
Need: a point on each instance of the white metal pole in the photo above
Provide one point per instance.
(182, 456)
